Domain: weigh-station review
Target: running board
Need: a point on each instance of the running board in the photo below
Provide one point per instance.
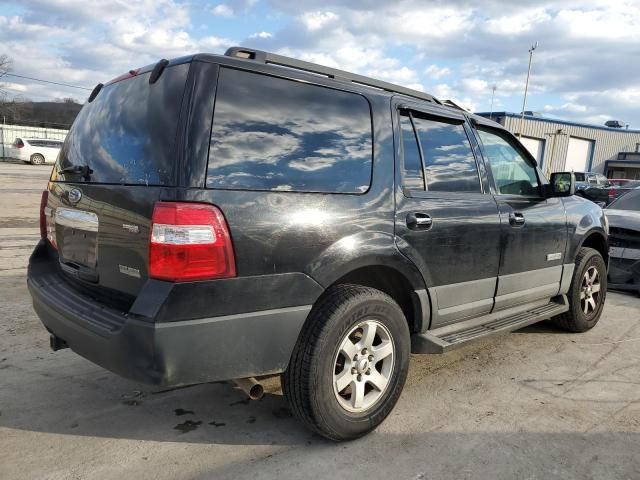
(443, 339)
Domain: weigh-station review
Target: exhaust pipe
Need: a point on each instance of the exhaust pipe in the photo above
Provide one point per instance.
(251, 387)
(56, 343)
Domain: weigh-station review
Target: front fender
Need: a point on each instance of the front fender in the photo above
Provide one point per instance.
(583, 219)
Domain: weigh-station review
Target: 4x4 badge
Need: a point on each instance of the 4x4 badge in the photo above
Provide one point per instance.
(74, 195)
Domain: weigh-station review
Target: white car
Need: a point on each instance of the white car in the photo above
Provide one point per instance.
(35, 150)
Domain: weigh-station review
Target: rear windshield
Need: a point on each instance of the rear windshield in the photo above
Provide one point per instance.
(628, 201)
(126, 134)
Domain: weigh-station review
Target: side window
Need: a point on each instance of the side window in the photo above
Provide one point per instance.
(511, 171)
(449, 163)
(413, 176)
(275, 134)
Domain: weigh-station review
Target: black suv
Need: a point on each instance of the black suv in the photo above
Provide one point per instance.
(239, 216)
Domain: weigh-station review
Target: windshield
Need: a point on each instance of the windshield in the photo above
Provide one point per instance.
(126, 134)
(628, 201)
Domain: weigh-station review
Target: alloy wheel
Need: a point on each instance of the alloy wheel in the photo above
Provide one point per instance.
(363, 366)
(590, 293)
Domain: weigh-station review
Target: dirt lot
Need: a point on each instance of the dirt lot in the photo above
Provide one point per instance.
(535, 404)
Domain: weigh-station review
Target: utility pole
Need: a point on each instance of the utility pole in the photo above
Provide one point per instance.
(493, 94)
(526, 87)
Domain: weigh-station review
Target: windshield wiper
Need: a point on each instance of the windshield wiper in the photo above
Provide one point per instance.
(82, 170)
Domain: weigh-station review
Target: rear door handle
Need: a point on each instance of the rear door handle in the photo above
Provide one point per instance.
(516, 219)
(419, 221)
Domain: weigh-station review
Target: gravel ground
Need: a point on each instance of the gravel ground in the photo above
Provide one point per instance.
(534, 404)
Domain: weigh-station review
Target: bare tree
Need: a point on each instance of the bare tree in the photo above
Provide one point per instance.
(5, 67)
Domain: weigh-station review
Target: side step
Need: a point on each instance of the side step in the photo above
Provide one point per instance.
(441, 340)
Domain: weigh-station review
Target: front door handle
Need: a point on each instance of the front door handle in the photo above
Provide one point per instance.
(516, 219)
(419, 221)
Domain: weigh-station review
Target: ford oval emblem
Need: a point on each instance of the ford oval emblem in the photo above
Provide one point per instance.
(75, 195)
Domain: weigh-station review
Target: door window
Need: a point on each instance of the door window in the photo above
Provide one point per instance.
(440, 149)
(512, 172)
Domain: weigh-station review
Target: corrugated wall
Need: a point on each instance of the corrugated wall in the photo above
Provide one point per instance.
(607, 142)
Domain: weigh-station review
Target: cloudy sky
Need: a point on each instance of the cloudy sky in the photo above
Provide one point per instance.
(586, 67)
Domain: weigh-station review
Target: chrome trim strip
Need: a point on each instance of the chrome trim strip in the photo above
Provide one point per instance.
(78, 219)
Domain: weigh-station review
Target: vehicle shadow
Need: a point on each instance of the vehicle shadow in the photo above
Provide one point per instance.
(78, 398)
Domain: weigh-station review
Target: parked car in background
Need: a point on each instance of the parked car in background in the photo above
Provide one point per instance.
(620, 186)
(624, 241)
(591, 186)
(600, 189)
(35, 150)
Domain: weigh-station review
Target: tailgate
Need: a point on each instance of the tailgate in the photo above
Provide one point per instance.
(117, 158)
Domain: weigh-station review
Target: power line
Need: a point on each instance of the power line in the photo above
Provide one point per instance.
(22, 93)
(47, 81)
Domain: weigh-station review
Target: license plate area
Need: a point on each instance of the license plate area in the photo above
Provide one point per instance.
(77, 237)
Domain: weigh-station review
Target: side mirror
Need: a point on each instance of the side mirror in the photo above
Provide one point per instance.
(563, 184)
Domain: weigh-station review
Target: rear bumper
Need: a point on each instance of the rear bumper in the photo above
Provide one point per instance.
(169, 353)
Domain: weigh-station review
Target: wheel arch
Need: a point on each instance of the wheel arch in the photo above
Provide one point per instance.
(598, 241)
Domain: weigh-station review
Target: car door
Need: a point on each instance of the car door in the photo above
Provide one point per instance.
(534, 230)
(446, 220)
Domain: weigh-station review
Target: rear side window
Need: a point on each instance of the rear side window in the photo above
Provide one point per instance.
(443, 150)
(126, 134)
(275, 134)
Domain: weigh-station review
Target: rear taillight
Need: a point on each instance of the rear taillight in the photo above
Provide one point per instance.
(47, 223)
(43, 219)
(19, 145)
(189, 241)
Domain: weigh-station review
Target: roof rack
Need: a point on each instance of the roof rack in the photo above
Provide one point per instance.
(275, 59)
(451, 103)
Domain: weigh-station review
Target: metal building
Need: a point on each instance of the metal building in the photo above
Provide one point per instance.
(560, 145)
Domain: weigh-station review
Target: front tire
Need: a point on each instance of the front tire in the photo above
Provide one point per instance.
(587, 292)
(350, 363)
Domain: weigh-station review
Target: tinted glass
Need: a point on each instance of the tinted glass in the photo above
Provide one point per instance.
(127, 133)
(448, 159)
(511, 171)
(628, 201)
(275, 134)
(413, 176)
(579, 176)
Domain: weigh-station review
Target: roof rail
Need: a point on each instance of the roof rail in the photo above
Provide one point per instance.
(275, 59)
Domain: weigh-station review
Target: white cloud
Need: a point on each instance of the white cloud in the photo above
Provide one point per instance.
(261, 35)
(436, 72)
(222, 10)
(316, 20)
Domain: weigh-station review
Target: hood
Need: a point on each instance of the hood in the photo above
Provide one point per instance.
(628, 219)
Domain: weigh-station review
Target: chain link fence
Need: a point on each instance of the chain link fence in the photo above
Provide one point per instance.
(8, 133)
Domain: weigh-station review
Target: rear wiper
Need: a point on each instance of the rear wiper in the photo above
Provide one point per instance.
(82, 170)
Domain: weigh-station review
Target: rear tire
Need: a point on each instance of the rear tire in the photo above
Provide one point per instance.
(37, 159)
(587, 292)
(350, 363)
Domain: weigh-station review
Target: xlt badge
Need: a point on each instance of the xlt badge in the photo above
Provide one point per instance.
(132, 272)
